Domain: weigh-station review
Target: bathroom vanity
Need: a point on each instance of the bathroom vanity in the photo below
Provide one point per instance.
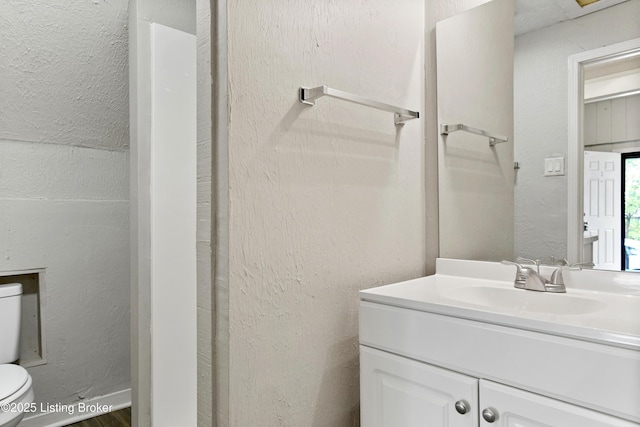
(465, 348)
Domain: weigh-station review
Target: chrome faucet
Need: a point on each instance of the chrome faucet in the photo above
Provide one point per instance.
(557, 279)
(526, 277)
(529, 279)
(521, 274)
(536, 262)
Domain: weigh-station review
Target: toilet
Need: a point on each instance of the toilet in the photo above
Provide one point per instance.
(16, 390)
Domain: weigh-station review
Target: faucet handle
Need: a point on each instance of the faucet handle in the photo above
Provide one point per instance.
(520, 267)
(579, 265)
(529, 260)
(522, 273)
(556, 276)
(506, 262)
(535, 262)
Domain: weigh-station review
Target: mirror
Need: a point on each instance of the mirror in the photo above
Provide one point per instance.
(542, 219)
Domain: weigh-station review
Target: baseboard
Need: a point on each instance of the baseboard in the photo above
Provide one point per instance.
(62, 415)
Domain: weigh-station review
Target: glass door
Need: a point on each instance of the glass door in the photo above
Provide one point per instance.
(631, 209)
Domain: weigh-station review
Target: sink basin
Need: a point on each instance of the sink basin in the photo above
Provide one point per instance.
(521, 300)
(602, 307)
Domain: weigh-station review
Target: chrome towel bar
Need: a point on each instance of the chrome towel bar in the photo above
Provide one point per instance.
(493, 139)
(309, 95)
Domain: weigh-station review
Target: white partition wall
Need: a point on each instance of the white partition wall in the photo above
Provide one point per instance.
(173, 227)
(162, 65)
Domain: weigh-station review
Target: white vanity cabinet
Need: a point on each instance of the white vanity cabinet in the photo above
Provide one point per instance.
(452, 348)
(512, 407)
(400, 392)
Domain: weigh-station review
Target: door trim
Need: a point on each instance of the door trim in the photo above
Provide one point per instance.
(575, 142)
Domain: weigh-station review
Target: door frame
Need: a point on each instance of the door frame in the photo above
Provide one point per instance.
(575, 140)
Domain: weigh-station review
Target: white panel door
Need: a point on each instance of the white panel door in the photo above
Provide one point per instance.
(400, 392)
(516, 408)
(603, 207)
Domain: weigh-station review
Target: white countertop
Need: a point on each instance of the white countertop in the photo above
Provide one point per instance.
(613, 301)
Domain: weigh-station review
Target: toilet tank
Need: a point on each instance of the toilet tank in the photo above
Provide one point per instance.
(10, 306)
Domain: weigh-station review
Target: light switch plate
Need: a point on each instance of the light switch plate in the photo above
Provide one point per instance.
(554, 166)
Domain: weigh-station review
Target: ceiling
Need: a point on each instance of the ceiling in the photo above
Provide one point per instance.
(531, 15)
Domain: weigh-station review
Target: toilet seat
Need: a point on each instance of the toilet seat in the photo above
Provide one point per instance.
(17, 390)
(13, 378)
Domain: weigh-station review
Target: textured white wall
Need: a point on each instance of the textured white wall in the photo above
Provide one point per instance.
(540, 120)
(324, 200)
(204, 252)
(64, 184)
(66, 209)
(64, 72)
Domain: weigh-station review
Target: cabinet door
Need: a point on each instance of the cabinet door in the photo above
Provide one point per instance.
(516, 408)
(400, 392)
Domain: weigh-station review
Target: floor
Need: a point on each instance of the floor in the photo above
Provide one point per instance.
(121, 418)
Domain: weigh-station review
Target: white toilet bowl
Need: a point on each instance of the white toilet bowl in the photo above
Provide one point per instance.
(16, 394)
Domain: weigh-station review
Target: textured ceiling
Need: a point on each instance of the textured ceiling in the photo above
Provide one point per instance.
(531, 15)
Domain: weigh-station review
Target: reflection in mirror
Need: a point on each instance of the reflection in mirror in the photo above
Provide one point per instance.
(541, 139)
(612, 145)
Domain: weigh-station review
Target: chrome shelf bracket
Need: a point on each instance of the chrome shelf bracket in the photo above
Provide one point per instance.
(493, 139)
(308, 96)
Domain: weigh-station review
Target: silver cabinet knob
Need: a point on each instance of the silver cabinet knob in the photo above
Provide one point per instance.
(462, 407)
(489, 415)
